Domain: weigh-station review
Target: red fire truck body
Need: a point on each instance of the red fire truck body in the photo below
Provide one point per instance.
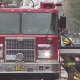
(29, 43)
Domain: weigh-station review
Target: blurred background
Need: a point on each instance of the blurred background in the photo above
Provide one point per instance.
(70, 8)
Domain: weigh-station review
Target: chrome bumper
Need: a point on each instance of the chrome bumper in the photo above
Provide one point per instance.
(30, 68)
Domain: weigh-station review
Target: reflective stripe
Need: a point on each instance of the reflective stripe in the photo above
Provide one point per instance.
(68, 64)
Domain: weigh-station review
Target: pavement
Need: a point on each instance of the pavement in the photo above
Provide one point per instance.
(64, 75)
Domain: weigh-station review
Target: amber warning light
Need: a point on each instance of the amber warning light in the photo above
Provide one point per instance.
(49, 4)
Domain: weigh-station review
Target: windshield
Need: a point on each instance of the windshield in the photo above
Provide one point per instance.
(39, 23)
(9, 23)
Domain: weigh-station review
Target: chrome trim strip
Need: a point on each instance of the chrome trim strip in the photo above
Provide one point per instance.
(47, 61)
(20, 49)
(32, 68)
(69, 51)
(30, 72)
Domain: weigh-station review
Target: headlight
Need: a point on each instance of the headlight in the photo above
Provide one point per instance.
(45, 51)
(1, 50)
(46, 54)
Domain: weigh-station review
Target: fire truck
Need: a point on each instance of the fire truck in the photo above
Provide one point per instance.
(29, 41)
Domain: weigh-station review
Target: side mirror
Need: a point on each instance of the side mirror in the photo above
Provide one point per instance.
(63, 22)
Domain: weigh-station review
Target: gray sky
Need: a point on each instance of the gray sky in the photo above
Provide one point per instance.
(52, 0)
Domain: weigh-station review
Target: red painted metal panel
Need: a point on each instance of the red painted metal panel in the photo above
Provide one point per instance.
(40, 39)
(27, 10)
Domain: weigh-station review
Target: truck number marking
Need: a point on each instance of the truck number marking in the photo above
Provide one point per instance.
(22, 68)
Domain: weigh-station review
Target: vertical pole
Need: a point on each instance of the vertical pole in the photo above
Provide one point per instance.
(6, 4)
(75, 39)
(75, 34)
(79, 37)
(17, 2)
